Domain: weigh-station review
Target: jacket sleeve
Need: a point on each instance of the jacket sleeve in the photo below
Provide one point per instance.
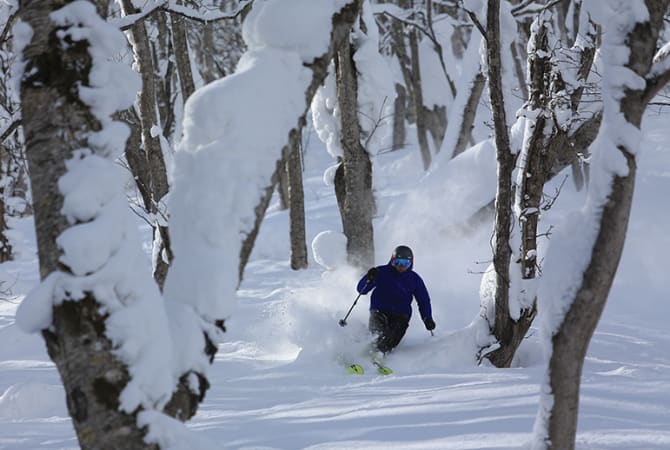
(423, 299)
(364, 287)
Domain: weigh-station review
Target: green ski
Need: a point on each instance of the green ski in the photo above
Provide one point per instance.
(382, 369)
(355, 369)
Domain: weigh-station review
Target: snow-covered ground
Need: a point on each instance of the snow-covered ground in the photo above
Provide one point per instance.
(279, 381)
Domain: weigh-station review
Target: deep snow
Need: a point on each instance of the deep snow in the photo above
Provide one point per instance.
(278, 381)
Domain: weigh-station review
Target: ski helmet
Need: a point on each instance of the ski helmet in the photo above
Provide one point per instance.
(402, 256)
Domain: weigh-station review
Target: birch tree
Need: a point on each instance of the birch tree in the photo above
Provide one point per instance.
(155, 176)
(573, 299)
(126, 358)
(502, 251)
(356, 165)
(89, 269)
(11, 154)
(547, 118)
(351, 115)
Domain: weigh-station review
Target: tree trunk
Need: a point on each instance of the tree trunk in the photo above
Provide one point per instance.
(163, 56)
(282, 181)
(417, 97)
(340, 188)
(207, 65)
(297, 203)
(399, 111)
(570, 342)
(358, 199)
(517, 51)
(57, 123)
(436, 123)
(135, 158)
(533, 174)
(7, 176)
(400, 50)
(531, 183)
(342, 24)
(259, 213)
(5, 245)
(151, 143)
(182, 56)
(470, 113)
(502, 251)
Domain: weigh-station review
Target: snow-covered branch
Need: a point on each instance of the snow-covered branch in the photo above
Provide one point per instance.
(662, 53)
(171, 6)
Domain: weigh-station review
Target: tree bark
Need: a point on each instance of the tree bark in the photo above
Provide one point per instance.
(5, 245)
(417, 98)
(571, 340)
(358, 199)
(282, 181)
(342, 24)
(182, 56)
(436, 123)
(399, 111)
(135, 158)
(56, 123)
(152, 148)
(163, 56)
(502, 251)
(259, 214)
(470, 113)
(297, 203)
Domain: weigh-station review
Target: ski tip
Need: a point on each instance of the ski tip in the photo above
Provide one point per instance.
(384, 370)
(355, 369)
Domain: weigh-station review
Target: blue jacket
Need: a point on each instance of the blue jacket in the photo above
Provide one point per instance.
(393, 292)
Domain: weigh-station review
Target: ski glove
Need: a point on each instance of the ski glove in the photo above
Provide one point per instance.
(430, 323)
(372, 275)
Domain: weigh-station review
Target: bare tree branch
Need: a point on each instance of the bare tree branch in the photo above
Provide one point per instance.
(430, 34)
(8, 26)
(128, 21)
(478, 24)
(9, 130)
(655, 84)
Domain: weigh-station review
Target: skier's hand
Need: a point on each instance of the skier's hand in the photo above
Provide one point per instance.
(430, 323)
(372, 275)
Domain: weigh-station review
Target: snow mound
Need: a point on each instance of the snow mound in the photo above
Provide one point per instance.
(330, 249)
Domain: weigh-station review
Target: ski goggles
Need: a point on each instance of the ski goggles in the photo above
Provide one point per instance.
(402, 262)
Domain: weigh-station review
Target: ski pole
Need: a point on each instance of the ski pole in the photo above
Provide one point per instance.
(343, 322)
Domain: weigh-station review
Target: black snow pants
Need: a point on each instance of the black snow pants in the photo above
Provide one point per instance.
(389, 329)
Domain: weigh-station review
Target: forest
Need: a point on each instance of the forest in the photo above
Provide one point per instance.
(192, 118)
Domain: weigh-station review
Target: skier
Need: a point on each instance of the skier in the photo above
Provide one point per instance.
(395, 284)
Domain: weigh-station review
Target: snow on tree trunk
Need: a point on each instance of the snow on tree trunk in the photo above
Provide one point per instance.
(546, 119)
(358, 201)
(503, 207)
(581, 270)
(234, 132)
(182, 56)
(99, 311)
(10, 140)
(151, 143)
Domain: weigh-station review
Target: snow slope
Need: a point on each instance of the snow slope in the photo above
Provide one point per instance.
(278, 381)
